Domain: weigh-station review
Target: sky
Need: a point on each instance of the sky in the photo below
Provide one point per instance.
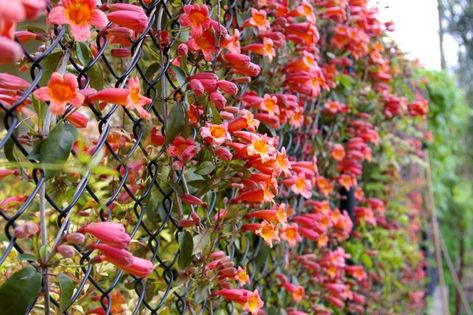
(416, 31)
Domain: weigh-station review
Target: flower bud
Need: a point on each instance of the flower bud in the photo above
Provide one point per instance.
(66, 251)
(78, 120)
(120, 52)
(75, 238)
(25, 36)
(5, 173)
(185, 223)
(31, 228)
(218, 99)
(12, 82)
(224, 154)
(226, 115)
(156, 137)
(10, 51)
(192, 200)
(19, 232)
(227, 87)
(182, 50)
(196, 87)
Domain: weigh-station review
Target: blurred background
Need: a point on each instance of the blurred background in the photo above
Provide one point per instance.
(439, 34)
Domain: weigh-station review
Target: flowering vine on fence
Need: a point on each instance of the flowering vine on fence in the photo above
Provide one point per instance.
(161, 157)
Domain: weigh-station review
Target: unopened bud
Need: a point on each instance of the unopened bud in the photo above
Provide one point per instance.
(75, 238)
(66, 251)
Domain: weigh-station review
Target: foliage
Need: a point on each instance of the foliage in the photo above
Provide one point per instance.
(449, 118)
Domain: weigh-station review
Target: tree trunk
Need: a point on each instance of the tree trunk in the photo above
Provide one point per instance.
(461, 264)
(443, 63)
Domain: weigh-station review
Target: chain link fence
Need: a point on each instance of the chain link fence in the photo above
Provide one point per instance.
(121, 176)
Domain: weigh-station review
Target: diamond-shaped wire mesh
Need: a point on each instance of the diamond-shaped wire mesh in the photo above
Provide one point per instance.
(140, 199)
(111, 125)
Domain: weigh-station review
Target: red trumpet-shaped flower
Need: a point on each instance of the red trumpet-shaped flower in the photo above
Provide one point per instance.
(131, 97)
(258, 20)
(111, 233)
(61, 90)
(250, 301)
(195, 16)
(79, 15)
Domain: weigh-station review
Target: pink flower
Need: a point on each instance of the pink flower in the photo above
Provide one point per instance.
(183, 150)
(302, 187)
(258, 19)
(264, 49)
(290, 234)
(250, 301)
(262, 147)
(136, 100)
(111, 233)
(12, 82)
(129, 16)
(61, 90)
(195, 16)
(131, 97)
(10, 51)
(228, 87)
(139, 267)
(77, 119)
(79, 15)
(215, 134)
(117, 256)
(270, 104)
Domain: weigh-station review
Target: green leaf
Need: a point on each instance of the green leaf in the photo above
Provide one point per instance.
(201, 241)
(57, 147)
(345, 80)
(205, 168)
(50, 64)
(67, 290)
(96, 76)
(27, 257)
(215, 114)
(262, 256)
(180, 75)
(176, 122)
(19, 291)
(8, 150)
(43, 252)
(34, 154)
(83, 53)
(152, 70)
(367, 260)
(186, 245)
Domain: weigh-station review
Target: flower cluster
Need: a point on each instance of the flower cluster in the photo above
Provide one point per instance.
(255, 154)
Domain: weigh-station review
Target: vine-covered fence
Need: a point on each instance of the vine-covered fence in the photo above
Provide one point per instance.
(245, 156)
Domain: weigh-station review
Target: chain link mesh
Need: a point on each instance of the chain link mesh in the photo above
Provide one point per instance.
(145, 203)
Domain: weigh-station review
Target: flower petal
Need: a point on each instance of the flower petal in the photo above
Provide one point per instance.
(99, 19)
(80, 33)
(57, 108)
(58, 15)
(77, 100)
(142, 112)
(42, 94)
(71, 80)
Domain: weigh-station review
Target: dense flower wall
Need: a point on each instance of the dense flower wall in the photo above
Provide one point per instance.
(229, 156)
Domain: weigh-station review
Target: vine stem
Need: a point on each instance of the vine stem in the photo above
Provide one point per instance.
(42, 201)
